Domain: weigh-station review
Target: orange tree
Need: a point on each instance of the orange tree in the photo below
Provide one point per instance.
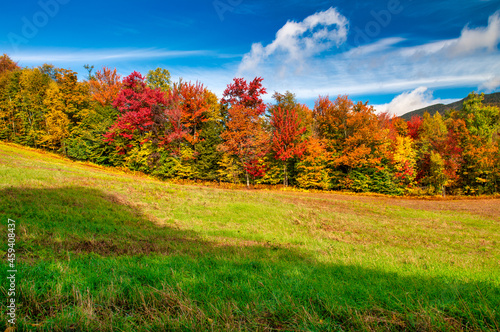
(244, 136)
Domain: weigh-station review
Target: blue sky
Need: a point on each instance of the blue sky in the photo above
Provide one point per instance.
(397, 54)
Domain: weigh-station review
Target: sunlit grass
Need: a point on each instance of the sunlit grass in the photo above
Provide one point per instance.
(103, 249)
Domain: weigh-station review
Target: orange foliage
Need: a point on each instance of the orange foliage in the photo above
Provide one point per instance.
(105, 86)
(6, 64)
(195, 105)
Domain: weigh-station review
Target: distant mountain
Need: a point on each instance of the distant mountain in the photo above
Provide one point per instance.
(490, 99)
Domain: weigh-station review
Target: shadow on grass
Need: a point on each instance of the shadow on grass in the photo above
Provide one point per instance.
(89, 261)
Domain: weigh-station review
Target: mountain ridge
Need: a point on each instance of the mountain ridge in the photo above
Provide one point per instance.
(492, 99)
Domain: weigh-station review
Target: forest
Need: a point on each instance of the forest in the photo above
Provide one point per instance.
(182, 130)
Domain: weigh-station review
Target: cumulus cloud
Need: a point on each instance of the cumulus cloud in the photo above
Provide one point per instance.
(411, 100)
(297, 41)
(384, 66)
(490, 85)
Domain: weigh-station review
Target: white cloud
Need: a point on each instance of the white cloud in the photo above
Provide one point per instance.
(93, 55)
(379, 46)
(297, 41)
(490, 85)
(486, 38)
(469, 42)
(412, 100)
(381, 67)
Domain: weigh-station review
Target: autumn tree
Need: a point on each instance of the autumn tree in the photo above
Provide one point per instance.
(57, 122)
(286, 141)
(6, 64)
(76, 96)
(479, 141)
(203, 119)
(312, 169)
(159, 79)
(365, 142)
(278, 168)
(414, 127)
(330, 118)
(244, 136)
(29, 98)
(134, 102)
(288, 100)
(357, 141)
(403, 158)
(195, 104)
(105, 86)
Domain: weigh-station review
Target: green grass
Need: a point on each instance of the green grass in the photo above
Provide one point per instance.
(102, 250)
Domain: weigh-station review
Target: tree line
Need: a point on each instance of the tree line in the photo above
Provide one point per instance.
(181, 130)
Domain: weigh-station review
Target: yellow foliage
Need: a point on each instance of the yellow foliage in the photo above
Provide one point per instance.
(404, 159)
(56, 121)
(312, 170)
(230, 169)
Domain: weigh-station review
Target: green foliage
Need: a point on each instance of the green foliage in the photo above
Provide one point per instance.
(274, 172)
(230, 169)
(436, 179)
(482, 121)
(138, 158)
(86, 141)
(373, 180)
(166, 167)
(159, 79)
(207, 153)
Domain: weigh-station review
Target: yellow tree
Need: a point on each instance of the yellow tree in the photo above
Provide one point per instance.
(56, 121)
(313, 169)
(32, 88)
(404, 160)
(75, 95)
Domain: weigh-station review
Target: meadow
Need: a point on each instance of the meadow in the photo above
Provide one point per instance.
(100, 249)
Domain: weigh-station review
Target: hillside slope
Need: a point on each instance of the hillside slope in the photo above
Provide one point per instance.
(102, 250)
(489, 99)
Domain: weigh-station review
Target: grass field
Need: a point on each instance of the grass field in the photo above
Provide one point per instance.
(102, 250)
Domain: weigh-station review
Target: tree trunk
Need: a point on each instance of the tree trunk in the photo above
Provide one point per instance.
(248, 179)
(285, 178)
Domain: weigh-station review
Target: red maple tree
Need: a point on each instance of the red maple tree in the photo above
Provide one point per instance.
(244, 136)
(134, 101)
(286, 140)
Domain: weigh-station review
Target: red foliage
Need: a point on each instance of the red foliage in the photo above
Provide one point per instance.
(451, 151)
(414, 127)
(194, 108)
(255, 168)
(134, 101)
(176, 130)
(287, 131)
(247, 95)
(244, 136)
